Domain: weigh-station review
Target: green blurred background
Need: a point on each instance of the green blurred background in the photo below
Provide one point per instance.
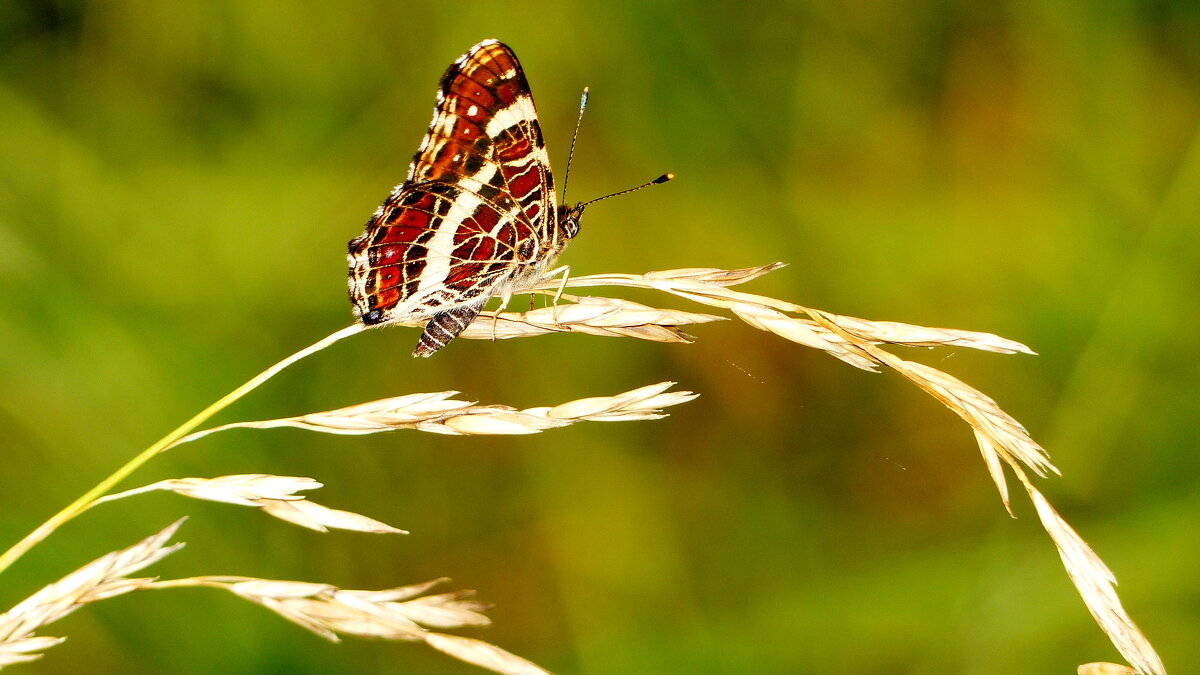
(178, 182)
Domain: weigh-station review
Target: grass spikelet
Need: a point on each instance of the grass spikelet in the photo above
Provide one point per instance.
(1102, 668)
(607, 317)
(482, 654)
(104, 577)
(1097, 586)
(438, 413)
(402, 614)
(275, 495)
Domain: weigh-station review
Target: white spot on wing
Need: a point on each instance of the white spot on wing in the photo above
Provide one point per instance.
(504, 118)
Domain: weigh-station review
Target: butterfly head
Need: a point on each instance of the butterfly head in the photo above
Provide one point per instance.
(568, 219)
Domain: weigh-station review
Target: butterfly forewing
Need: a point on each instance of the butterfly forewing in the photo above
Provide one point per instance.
(476, 215)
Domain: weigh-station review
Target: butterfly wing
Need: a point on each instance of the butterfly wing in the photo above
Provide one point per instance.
(485, 115)
(477, 209)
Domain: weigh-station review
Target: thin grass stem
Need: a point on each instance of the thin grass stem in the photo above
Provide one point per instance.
(87, 499)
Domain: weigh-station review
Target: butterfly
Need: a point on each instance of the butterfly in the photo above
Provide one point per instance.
(476, 216)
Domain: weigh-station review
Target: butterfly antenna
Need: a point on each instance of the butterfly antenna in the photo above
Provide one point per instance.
(661, 179)
(567, 176)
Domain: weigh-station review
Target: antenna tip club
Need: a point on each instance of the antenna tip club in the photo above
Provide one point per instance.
(663, 178)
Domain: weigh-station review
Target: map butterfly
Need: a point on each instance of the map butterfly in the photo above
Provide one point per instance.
(476, 217)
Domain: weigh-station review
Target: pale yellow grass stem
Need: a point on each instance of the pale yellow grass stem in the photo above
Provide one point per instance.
(85, 501)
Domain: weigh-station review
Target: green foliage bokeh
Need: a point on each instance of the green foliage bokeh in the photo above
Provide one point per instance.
(178, 182)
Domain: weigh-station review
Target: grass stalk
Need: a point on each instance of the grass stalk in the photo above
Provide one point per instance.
(87, 499)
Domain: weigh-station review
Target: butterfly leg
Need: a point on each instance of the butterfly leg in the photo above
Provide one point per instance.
(505, 298)
(444, 327)
(565, 271)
